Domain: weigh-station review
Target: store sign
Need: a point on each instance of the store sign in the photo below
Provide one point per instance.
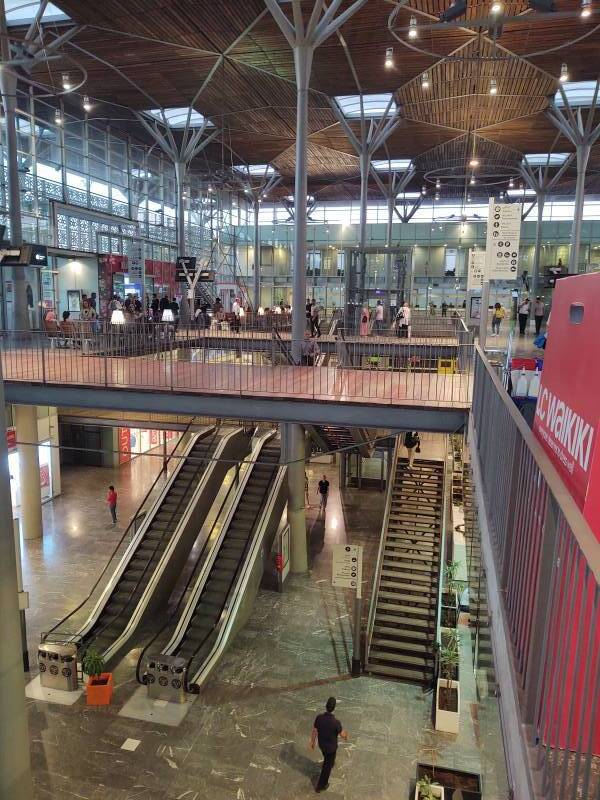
(11, 438)
(347, 566)
(476, 269)
(502, 243)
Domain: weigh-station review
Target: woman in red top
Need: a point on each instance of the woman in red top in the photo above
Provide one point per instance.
(111, 499)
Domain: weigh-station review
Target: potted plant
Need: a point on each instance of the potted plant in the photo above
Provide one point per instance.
(450, 595)
(447, 698)
(100, 684)
(426, 790)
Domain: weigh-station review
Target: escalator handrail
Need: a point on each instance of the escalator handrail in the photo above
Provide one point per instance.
(204, 575)
(201, 465)
(239, 580)
(193, 574)
(45, 635)
(241, 561)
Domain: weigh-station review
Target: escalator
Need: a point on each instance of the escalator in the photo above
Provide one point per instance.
(229, 579)
(149, 567)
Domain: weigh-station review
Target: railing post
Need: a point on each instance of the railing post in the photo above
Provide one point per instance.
(42, 342)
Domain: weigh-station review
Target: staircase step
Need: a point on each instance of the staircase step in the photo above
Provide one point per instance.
(387, 607)
(422, 579)
(393, 552)
(401, 660)
(390, 584)
(423, 599)
(428, 569)
(404, 634)
(413, 676)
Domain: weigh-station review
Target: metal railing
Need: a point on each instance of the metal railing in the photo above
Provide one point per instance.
(445, 537)
(156, 357)
(546, 562)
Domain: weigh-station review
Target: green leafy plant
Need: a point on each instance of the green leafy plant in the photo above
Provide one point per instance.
(92, 663)
(449, 660)
(451, 584)
(425, 787)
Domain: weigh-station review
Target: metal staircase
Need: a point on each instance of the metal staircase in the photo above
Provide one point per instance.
(402, 623)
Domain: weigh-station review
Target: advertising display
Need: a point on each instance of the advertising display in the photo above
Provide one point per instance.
(137, 441)
(502, 243)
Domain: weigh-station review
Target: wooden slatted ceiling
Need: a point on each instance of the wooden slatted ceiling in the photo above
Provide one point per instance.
(475, 8)
(535, 134)
(458, 151)
(459, 89)
(320, 161)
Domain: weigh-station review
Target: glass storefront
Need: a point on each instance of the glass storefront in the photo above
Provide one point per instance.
(45, 459)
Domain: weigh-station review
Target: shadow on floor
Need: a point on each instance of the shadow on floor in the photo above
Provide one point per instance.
(306, 766)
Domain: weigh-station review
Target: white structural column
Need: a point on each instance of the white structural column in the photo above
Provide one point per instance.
(303, 36)
(8, 89)
(542, 182)
(15, 773)
(256, 299)
(582, 132)
(29, 471)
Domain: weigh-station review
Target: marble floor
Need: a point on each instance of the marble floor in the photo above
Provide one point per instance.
(246, 737)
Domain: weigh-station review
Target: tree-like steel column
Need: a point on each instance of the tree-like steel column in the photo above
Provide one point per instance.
(583, 134)
(303, 37)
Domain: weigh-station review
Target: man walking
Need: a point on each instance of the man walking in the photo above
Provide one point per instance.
(111, 499)
(524, 309)
(315, 325)
(538, 314)
(327, 729)
(379, 317)
(323, 490)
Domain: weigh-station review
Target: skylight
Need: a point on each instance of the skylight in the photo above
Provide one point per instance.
(395, 164)
(177, 117)
(256, 170)
(579, 94)
(520, 193)
(22, 12)
(541, 159)
(375, 105)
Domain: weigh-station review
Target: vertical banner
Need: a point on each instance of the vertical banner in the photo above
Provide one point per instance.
(135, 266)
(502, 244)
(476, 274)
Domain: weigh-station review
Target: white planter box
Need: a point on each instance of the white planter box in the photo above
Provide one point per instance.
(438, 791)
(446, 721)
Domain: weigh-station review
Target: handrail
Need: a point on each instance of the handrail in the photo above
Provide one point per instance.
(588, 544)
(446, 495)
(283, 348)
(45, 635)
(239, 566)
(158, 541)
(193, 573)
(382, 540)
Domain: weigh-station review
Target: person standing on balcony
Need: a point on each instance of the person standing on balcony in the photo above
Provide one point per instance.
(235, 310)
(498, 315)
(378, 317)
(308, 315)
(111, 499)
(315, 326)
(403, 321)
(538, 314)
(524, 311)
(364, 322)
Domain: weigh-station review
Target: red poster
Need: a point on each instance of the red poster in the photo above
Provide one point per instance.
(154, 438)
(44, 475)
(11, 438)
(124, 445)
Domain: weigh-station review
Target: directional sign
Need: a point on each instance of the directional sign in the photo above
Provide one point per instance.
(476, 273)
(502, 245)
(347, 566)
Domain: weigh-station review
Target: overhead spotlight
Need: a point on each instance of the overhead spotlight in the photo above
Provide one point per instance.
(543, 6)
(474, 162)
(438, 184)
(586, 8)
(456, 9)
(264, 194)
(66, 82)
(389, 58)
(425, 81)
(493, 86)
(511, 184)
(564, 74)
(412, 28)
(496, 7)
(58, 117)
(437, 196)
(423, 189)
(87, 106)
(468, 198)
(472, 181)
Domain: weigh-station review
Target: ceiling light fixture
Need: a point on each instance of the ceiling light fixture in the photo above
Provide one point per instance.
(423, 189)
(412, 28)
(493, 86)
(87, 106)
(496, 7)
(438, 184)
(472, 181)
(564, 74)
(58, 117)
(437, 196)
(389, 58)
(511, 184)
(586, 8)
(66, 82)
(425, 81)
(474, 162)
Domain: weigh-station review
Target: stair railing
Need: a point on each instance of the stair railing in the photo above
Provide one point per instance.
(379, 563)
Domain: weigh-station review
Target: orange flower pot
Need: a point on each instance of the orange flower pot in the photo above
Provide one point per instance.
(99, 689)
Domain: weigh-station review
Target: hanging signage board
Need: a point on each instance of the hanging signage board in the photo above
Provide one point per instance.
(476, 273)
(186, 268)
(347, 566)
(206, 276)
(502, 244)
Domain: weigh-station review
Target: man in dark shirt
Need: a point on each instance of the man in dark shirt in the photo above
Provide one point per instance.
(323, 491)
(327, 728)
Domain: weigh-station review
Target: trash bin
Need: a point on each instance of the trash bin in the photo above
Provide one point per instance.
(166, 678)
(58, 666)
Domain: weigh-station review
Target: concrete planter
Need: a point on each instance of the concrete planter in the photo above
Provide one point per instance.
(445, 720)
